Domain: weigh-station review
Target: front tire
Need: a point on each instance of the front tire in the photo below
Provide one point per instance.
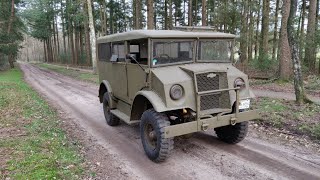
(152, 132)
(111, 119)
(232, 134)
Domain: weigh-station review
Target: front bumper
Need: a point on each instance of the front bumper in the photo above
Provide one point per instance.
(213, 122)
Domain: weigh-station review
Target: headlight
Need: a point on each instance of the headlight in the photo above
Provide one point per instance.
(176, 92)
(239, 82)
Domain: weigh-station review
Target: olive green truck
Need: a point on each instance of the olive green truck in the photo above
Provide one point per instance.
(173, 83)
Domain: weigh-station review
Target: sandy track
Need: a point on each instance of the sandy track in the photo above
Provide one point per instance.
(200, 157)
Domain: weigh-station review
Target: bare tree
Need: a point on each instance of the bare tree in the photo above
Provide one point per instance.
(92, 38)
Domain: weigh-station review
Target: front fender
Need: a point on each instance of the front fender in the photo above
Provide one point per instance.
(106, 87)
(154, 99)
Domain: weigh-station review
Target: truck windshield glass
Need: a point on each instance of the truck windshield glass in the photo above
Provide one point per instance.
(215, 50)
(172, 51)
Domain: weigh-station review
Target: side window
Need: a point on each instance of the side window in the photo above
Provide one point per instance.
(118, 52)
(140, 49)
(104, 52)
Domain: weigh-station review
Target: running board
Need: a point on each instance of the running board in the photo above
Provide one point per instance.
(124, 117)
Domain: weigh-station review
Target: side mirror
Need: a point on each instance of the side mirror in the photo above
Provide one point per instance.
(236, 57)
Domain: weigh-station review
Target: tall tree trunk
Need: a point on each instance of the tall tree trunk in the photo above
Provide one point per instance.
(257, 33)
(150, 14)
(263, 50)
(92, 38)
(54, 47)
(11, 17)
(275, 30)
(310, 55)
(103, 17)
(285, 53)
(302, 35)
(298, 79)
(111, 18)
(138, 14)
(244, 35)
(45, 51)
(190, 14)
(71, 36)
(204, 13)
(166, 26)
(10, 56)
(317, 26)
(170, 25)
(63, 30)
(76, 46)
(251, 32)
(81, 42)
(86, 32)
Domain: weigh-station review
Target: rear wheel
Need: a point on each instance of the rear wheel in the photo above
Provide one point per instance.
(111, 119)
(232, 134)
(152, 132)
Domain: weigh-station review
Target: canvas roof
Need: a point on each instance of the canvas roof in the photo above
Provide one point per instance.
(141, 34)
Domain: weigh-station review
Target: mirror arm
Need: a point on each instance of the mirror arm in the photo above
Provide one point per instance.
(137, 63)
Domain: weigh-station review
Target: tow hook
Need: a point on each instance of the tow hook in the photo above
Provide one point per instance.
(204, 126)
(233, 121)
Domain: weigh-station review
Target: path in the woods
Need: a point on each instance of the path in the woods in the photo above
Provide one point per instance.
(201, 157)
(281, 95)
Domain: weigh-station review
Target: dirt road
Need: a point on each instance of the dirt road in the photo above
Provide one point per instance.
(200, 157)
(281, 95)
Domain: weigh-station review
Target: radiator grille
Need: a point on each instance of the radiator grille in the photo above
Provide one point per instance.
(207, 81)
(209, 102)
(213, 81)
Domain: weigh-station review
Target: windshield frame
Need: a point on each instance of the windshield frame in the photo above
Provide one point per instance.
(194, 41)
(216, 61)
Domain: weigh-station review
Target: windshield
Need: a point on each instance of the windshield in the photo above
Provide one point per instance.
(215, 50)
(172, 51)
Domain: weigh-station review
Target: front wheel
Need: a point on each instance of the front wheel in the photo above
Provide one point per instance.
(232, 134)
(152, 132)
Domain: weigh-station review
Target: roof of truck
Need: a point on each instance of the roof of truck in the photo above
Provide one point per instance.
(141, 34)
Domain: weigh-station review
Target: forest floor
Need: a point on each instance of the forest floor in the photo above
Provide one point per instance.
(266, 153)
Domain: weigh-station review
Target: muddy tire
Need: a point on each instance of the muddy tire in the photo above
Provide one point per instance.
(152, 124)
(111, 119)
(232, 134)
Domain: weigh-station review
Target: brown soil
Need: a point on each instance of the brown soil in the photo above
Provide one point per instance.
(117, 153)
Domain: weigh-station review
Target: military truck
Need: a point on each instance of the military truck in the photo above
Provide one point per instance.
(173, 83)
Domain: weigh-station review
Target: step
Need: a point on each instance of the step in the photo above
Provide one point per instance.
(124, 117)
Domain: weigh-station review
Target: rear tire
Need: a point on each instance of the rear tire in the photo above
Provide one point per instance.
(111, 119)
(152, 125)
(232, 134)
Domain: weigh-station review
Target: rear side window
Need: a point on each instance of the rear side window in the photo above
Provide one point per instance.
(118, 52)
(104, 52)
